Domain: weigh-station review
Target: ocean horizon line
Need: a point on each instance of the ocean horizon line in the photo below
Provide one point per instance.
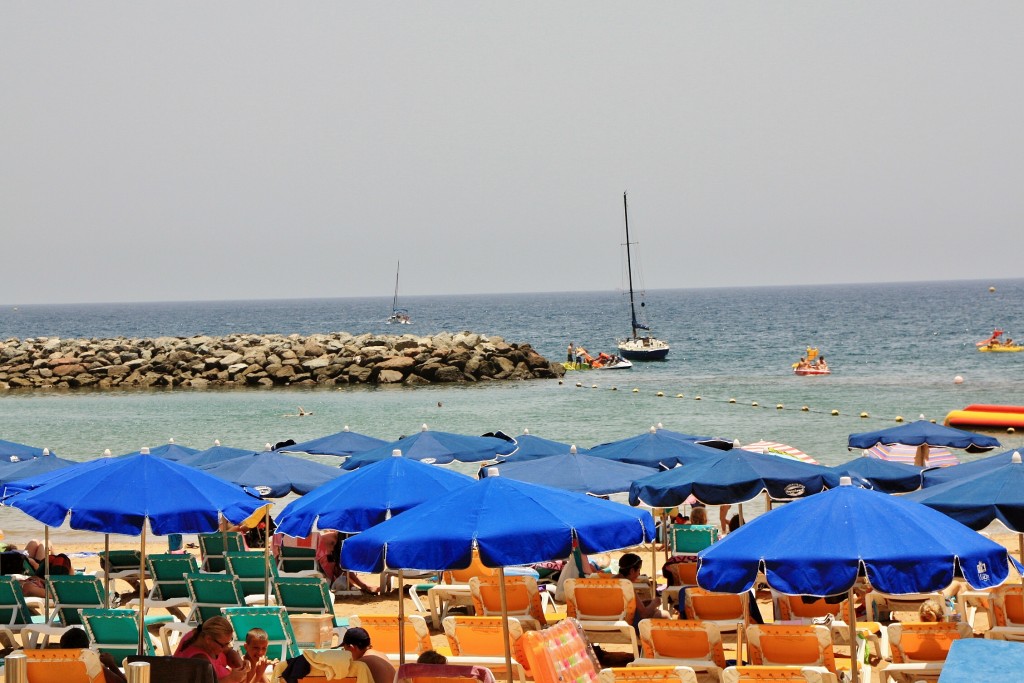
(993, 282)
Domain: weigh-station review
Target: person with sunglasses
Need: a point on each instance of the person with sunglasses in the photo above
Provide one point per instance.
(212, 640)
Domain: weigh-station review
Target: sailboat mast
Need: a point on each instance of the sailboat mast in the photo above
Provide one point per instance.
(629, 267)
(394, 302)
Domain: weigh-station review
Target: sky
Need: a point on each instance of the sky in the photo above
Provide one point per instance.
(207, 151)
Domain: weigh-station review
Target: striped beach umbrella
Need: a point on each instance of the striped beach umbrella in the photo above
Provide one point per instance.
(898, 452)
(781, 450)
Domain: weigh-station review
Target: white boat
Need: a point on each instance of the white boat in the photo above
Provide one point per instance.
(617, 363)
(399, 316)
(642, 346)
(602, 362)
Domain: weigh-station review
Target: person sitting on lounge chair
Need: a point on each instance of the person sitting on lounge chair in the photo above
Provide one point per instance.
(211, 641)
(629, 568)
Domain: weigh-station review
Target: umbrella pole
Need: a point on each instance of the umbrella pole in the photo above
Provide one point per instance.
(401, 618)
(142, 593)
(504, 624)
(106, 568)
(1020, 553)
(266, 563)
(46, 569)
(854, 664)
(742, 519)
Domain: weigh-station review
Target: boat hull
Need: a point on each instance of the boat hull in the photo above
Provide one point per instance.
(643, 349)
(810, 371)
(1000, 348)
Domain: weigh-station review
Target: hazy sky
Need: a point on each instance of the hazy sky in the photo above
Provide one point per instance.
(226, 150)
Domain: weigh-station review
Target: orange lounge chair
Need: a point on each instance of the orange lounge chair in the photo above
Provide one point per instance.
(790, 645)
(681, 642)
(384, 628)
(684, 574)
(726, 610)
(603, 607)
(1006, 613)
(522, 599)
(479, 641)
(64, 666)
(794, 608)
(648, 674)
(761, 674)
(920, 649)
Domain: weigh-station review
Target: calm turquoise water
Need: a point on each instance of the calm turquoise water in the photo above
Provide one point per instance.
(894, 350)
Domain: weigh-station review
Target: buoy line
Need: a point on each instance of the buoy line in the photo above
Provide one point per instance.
(858, 415)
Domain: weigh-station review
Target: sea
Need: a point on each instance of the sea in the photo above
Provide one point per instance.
(905, 349)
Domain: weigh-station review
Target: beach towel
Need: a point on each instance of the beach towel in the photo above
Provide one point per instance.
(331, 664)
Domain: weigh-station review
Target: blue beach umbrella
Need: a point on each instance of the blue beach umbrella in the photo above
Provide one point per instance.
(370, 495)
(573, 471)
(729, 477)
(509, 522)
(119, 495)
(881, 475)
(169, 451)
(37, 480)
(923, 432)
(122, 495)
(940, 475)
(11, 451)
(274, 474)
(710, 441)
(654, 448)
(436, 448)
(214, 455)
(342, 444)
(28, 468)
(530, 447)
(995, 493)
(818, 545)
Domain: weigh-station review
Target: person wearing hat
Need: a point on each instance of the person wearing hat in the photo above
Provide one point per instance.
(357, 642)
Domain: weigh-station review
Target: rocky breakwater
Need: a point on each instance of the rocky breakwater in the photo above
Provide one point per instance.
(249, 360)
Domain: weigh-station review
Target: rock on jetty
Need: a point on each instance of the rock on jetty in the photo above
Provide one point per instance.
(251, 360)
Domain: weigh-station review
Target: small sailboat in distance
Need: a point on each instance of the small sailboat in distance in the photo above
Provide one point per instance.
(645, 346)
(399, 316)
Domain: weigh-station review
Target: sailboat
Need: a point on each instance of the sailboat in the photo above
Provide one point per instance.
(642, 346)
(399, 316)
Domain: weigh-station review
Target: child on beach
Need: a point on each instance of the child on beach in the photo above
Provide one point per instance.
(256, 643)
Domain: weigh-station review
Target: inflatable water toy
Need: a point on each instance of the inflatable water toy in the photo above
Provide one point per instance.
(985, 415)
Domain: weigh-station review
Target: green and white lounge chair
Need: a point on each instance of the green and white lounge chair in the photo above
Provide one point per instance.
(256, 575)
(273, 620)
(15, 613)
(307, 595)
(210, 592)
(115, 631)
(169, 590)
(213, 546)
